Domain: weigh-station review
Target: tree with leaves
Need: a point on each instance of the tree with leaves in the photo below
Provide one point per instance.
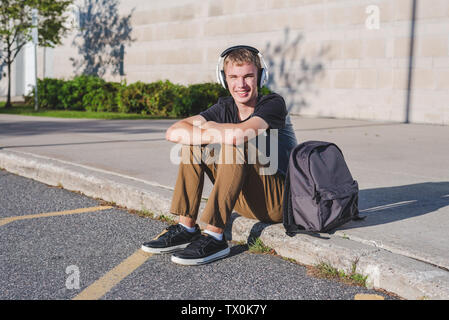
(16, 28)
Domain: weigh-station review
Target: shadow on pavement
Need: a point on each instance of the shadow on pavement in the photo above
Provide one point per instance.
(26, 128)
(384, 205)
(389, 204)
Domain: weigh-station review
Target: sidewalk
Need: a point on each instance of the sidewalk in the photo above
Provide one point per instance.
(402, 170)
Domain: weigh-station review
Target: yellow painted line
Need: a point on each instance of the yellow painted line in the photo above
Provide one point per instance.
(100, 287)
(364, 296)
(52, 214)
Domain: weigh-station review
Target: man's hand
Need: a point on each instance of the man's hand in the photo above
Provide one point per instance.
(186, 131)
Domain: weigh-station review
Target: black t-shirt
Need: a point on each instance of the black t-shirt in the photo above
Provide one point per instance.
(270, 108)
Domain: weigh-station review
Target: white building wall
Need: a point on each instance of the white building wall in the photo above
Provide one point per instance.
(327, 57)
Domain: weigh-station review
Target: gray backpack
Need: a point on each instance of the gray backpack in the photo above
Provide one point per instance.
(320, 193)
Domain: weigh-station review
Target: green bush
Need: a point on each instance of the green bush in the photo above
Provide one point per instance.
(72, 92)
(199, 97)
(133, 98)
(160, 98)
(50, 91)
(264, 91)
(164, 99)
(101, 96)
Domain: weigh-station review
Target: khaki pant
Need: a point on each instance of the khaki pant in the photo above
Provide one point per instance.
(238, 186)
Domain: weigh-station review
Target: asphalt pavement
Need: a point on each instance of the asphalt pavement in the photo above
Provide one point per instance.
(95, 254)
(402, 245)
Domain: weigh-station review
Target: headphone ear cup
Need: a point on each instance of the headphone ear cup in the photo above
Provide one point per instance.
(223, 79)
(262, 77)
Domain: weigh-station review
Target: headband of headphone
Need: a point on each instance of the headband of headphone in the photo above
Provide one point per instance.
(263, 72)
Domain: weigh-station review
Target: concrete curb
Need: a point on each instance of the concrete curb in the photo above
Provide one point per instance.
(404, 276)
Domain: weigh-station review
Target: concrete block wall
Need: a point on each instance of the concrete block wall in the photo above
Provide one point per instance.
(330, 58)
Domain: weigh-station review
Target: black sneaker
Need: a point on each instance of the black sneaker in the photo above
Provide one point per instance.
(203, 250)
(173, 238)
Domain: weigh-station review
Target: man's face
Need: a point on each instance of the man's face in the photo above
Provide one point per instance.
(242, 83)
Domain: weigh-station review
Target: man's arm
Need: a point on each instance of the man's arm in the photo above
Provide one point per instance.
(237, 133)
(196, 130)
(186, 131)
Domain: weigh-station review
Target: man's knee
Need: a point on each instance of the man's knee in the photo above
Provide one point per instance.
(214, 155)
(191, 154)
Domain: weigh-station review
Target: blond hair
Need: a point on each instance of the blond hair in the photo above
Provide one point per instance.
(242, 56)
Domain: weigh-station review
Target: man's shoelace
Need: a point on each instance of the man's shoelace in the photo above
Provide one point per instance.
(169, 231)
(201, 241)
(174, 228)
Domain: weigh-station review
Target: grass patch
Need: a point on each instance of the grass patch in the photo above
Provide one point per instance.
(325, 270)
(142, 213)
(166, 219)
(257, 246)
(28, 110)
(145, 213)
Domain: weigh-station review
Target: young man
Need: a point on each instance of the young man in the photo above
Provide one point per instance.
(233, 124)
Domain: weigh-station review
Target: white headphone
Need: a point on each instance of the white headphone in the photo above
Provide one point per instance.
(263, 72)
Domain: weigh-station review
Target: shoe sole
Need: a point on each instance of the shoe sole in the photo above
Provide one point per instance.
(164, 250)
(195, 262)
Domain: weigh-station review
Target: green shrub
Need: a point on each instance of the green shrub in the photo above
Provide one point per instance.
(199, 97)
(72, 92)
(101, 96)
(133, 98)
(160, 98)
(50, 91)
(164, 98)
(264, 91)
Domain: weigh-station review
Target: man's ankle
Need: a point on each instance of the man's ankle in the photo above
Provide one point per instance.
(187, 221)
(216, 235)
(189, 229)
